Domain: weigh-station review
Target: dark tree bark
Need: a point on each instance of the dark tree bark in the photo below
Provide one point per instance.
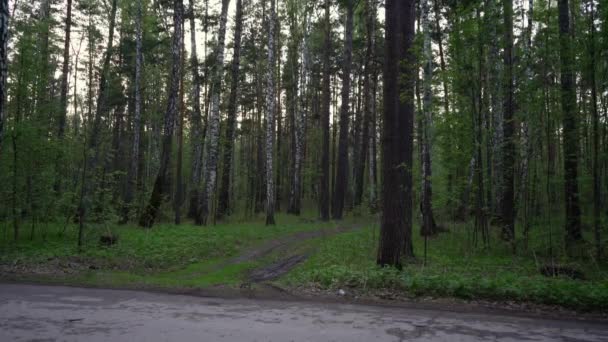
(161, 185)
(4, 17)
(223, 205)
(133, 171)
(397, 139)
(65, 70)
(597, 192)
(325, 106)
(299, 127)
(508, 186)
(341, 184)
(179, 178)
(570, 128)
(370, 20)
(92, 150)
(428, 219)
(196, 119)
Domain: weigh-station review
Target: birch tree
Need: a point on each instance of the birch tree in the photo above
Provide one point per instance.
(161, 184)
(213, 127)
(270, 118)
(299, 125)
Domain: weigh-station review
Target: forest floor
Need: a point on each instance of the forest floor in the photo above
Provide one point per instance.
(301, 258)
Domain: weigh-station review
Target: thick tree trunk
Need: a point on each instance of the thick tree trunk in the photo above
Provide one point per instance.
(570, 128)
(508, 197)
(270, 112)
(161, 185)
(325, 112)
(341, 185)
(223, 206)
(397, 140)
(196, 119)
(213, 126)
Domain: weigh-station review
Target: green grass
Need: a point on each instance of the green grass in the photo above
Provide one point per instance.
(167, 255)
(454, 269)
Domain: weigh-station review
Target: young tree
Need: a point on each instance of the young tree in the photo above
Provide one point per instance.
(341, 184)
(161, 185)
(213, 126)
(397, 142)
(570, 128)
(270, 112)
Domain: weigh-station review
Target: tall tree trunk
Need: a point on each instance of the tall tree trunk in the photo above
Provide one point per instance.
(223, 206)
(370, 20)
(65, 70)
(495, 91)
(179, 178)
(428, 220)
(597, 192)
(508, 197)
(325, 112)
(299, 126)
(270, 112)
(570, 128)
(161, 185)
(213, 126)
(133, 171)
(341, 185)
(196, 119)
(91, 156)
(397, 141)
(4, 16)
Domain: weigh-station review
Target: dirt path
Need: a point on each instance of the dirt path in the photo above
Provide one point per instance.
(283, 246)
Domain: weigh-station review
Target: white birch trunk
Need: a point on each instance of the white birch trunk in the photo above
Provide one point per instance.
(213, 126)
(270, 108)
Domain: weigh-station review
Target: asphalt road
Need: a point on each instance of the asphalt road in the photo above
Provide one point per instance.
(49, 313)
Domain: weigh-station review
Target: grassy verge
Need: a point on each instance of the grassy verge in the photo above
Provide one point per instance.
(453, 269)
(165, 256)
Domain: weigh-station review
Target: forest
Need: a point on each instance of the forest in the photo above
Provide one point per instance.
(422, 147)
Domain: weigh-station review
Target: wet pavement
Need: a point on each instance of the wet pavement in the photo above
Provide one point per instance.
(54, 313)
